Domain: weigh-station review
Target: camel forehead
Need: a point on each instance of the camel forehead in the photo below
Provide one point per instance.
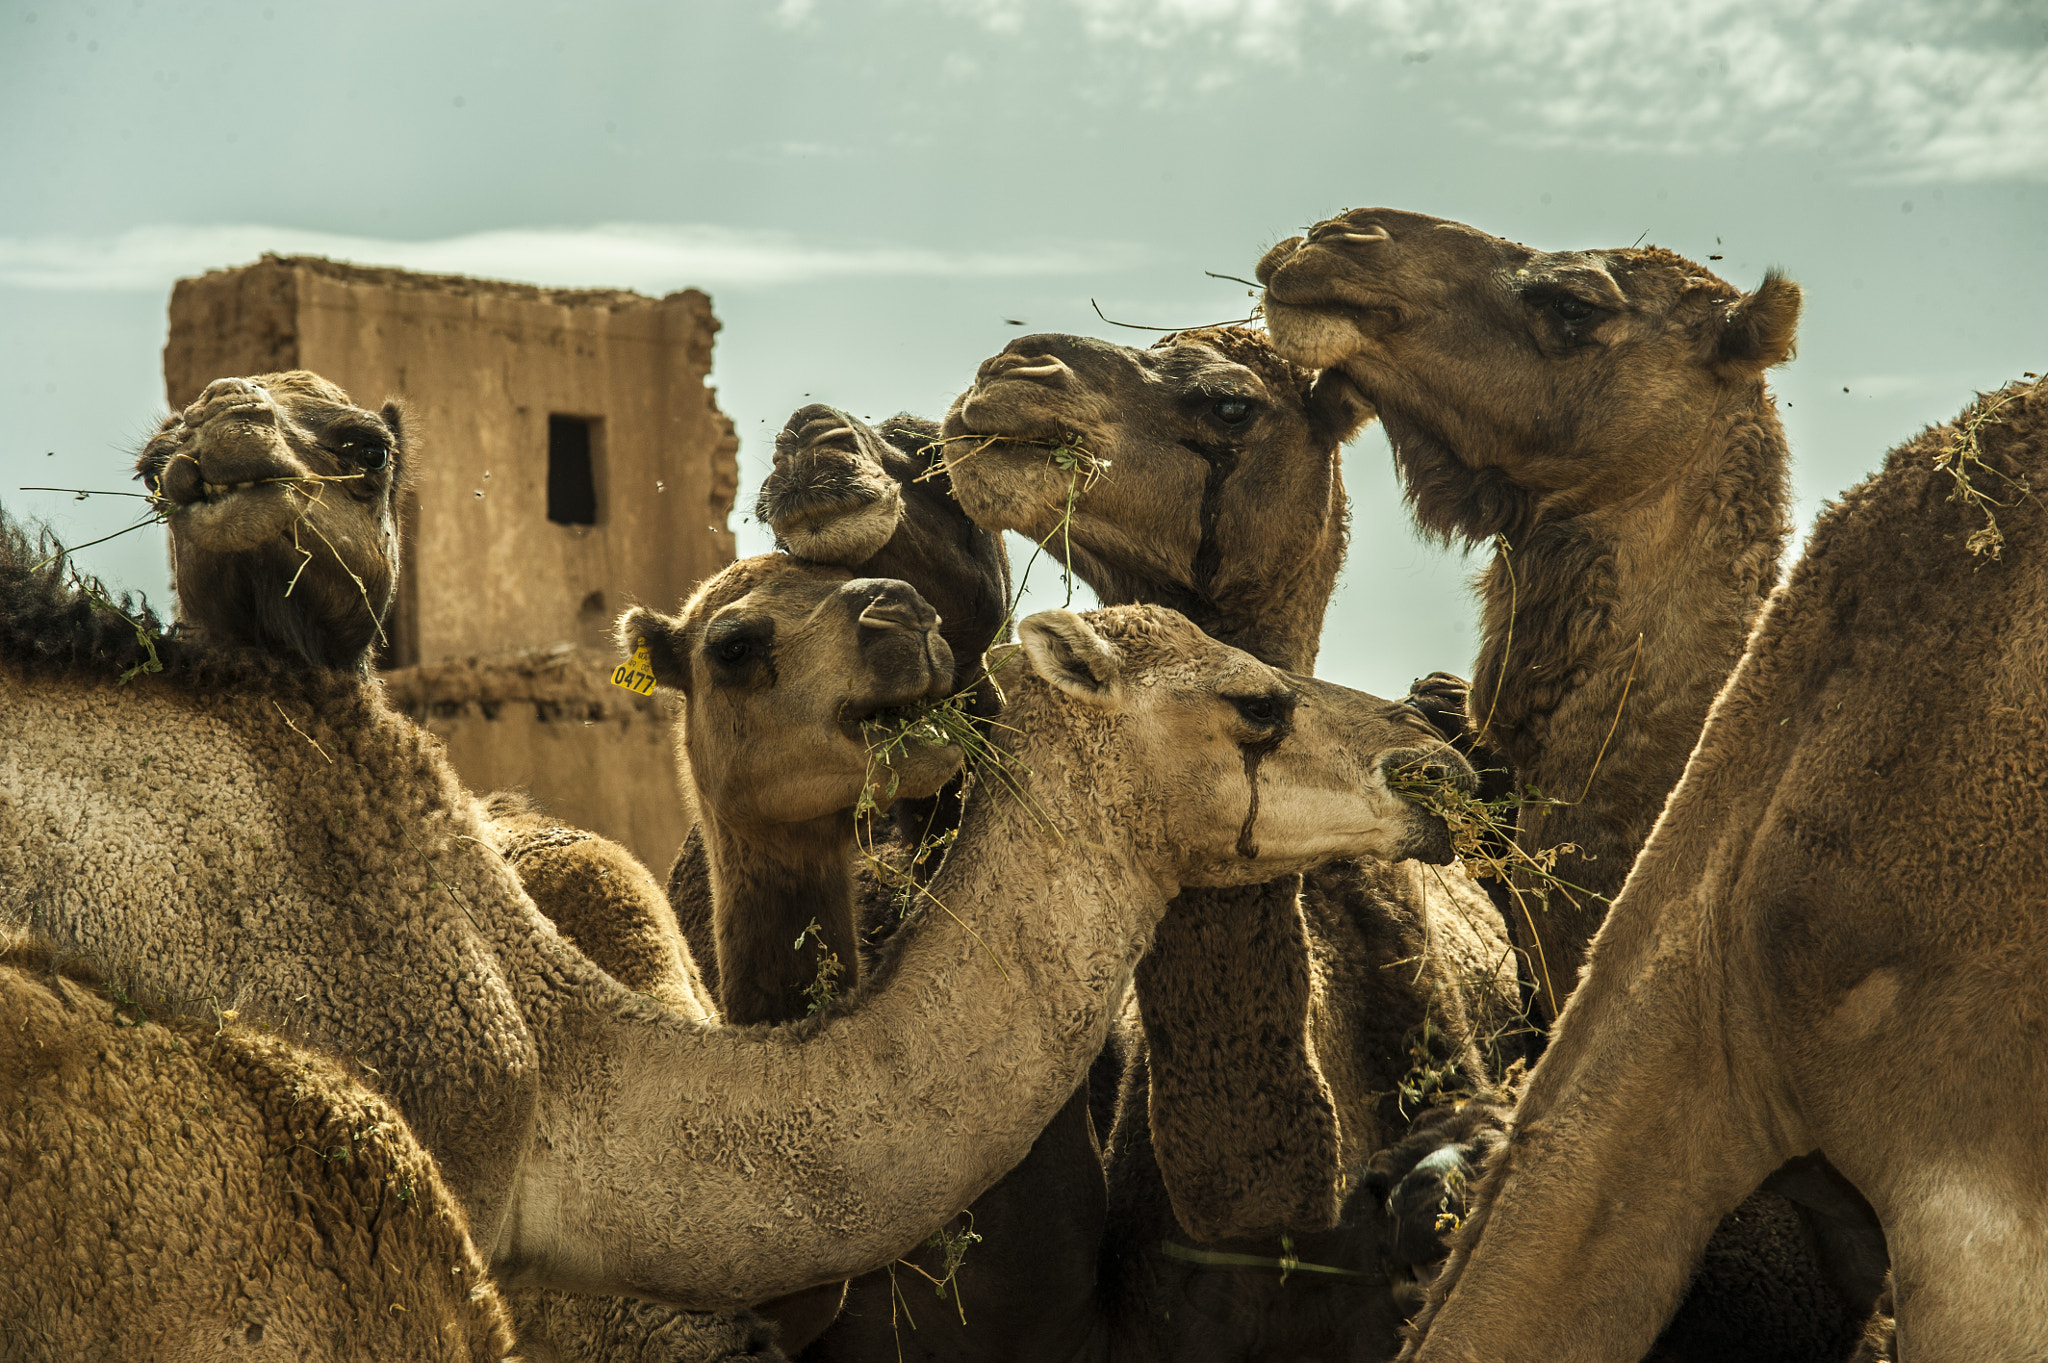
(775, 583)
(1236, 355)
(1164, 643)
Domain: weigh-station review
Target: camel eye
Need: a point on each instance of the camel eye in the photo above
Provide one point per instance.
(371, 455)
(1571, 309)
(1232, 411)
(735, 650)
(1261, 711)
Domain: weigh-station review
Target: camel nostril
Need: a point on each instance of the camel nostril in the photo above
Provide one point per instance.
(886, 604)
(1441, 768)
(899, 615)
(1030, 364)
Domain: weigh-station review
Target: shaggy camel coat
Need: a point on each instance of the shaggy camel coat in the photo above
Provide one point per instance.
(185, 1190)
(282, 841)
(1837, 932)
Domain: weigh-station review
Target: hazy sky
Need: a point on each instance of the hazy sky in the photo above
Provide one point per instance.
(869, 189)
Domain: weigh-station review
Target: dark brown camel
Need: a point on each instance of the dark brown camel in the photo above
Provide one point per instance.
(1220, 494)
(1832, 945)
(1600, 419)
(879, 501)
(1604, 413)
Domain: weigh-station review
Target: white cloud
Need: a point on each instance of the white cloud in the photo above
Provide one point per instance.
(620, 255)
(1902, 89)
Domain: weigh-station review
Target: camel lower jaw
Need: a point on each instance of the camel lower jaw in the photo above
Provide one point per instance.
(1318, 337)
(847, 532)
(237, 518)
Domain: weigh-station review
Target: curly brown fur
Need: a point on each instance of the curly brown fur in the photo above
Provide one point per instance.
(178, 1187)
(1222, 499)
(54, 620)
(1600, 419)
(1836, 917)
(600, 897)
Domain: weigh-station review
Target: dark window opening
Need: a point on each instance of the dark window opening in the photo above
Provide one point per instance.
(572, 484)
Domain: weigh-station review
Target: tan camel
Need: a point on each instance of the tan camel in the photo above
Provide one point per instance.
(779, 826)
(1221, 492)
(1832, 939)
(1600, 418)
(599, 897)
(598, 1142)
(776, 819)
(173, 1188)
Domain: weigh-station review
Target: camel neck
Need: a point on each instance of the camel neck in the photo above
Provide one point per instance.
(840, 1140)
(1625, 619)
(783, 914)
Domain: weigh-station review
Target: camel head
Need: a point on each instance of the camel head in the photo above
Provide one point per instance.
(1201, 472)
(1566, 379)
(278, 492)
(778, 663)
(879, 501)
(1255, 772)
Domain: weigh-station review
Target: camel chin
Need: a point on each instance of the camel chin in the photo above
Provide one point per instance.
(240, 522)
(1314, 336)
(832, 533)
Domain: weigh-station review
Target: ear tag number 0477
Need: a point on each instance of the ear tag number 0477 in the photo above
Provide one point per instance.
(636, 674)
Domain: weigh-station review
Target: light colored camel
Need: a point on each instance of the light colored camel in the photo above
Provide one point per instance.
(1599, 419)
(598, 896)
(776, 816)
(332, 881)
(188, 1190)
(1221, 493)
(1834, 942)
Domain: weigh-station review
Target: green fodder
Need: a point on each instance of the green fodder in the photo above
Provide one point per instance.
(1483, 835)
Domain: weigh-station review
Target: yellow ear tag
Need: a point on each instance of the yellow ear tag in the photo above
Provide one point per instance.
(636, 674)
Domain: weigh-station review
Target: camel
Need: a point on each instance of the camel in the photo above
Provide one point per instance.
(1833, 934)
(185, 1189)
(1206, 475)
(843, 492)
(878, 501)
(1623, 427)
(599, 897)
(334, 883)
(1601, 419)
(775, 854)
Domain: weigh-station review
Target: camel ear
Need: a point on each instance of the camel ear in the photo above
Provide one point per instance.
(397, 421)
(1066, 651)
(1759, 330)
(663, 636)
(1337, 407)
